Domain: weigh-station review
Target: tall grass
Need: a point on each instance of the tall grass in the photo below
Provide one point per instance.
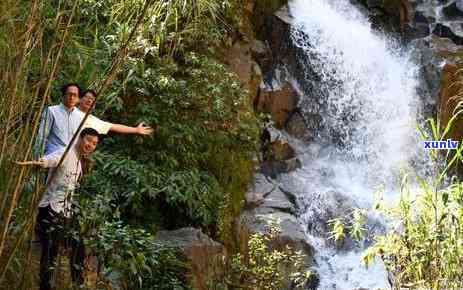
(424, 248)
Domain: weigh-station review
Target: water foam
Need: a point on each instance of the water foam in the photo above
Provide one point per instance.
(370, 105)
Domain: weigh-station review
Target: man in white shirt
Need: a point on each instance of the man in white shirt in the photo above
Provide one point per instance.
(55, 208)
(60, 122)
(86, 103)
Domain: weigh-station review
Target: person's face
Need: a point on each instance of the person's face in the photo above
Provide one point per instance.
(88, 144)
(87, 102)
(71, 97)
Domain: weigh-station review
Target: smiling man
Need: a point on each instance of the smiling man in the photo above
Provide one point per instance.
(55, 208)
(60, 122)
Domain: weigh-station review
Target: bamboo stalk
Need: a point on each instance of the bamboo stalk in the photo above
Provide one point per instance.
(20, 179)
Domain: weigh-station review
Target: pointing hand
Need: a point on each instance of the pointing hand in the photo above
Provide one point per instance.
(39, 162)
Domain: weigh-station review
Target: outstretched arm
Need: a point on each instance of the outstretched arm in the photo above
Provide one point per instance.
(39, 162)
(141, 129)
(47, 161)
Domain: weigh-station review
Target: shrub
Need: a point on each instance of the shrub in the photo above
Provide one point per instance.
(133, 260)
(266, 268)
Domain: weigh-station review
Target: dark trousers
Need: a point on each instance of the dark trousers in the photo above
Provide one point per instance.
(54, 229)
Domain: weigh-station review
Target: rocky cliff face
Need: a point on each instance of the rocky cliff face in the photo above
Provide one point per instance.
(257, 59)
(269, 66)
(432, 28)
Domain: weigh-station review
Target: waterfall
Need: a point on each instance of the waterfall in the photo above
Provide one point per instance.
(367, 102)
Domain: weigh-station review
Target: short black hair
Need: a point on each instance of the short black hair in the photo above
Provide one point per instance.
(65, 87)
(91, 132)
(89, 91)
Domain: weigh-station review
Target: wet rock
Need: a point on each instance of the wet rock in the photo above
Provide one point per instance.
(389, 15)
(453, 10)
(281, 150)
(275, 168)
(204, 254)
(450, 55)
(264, 10)
(279, 158)
(258, 219)
(424, 54)
(314, 282)
(442, 30)
(419, 27)
(296, 126)
(445, 49)
(278, 200)
(280, 103)
(277, 205)
(259, 49)
(284, 15)
(261, 187)
(320, 208)
(422, 19)
(291, 235)
(451, 87)
(416, 31)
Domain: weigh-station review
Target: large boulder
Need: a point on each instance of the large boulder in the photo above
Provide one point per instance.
(322, 207)
(204, 254)
(278, 157)
(257, 221)
(260, 188)
(280, 201)
(296, 126)
(276, 205)
(279, 103)
(263, 10)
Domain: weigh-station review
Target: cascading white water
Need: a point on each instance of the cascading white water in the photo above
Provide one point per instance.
(370, 104)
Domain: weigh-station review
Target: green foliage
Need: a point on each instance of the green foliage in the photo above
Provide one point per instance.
(201, 151)
(136, 189)
(193, 171)
(267, 268)
(133, 260)
(338, 232)
(423, 248)
(352, 225)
